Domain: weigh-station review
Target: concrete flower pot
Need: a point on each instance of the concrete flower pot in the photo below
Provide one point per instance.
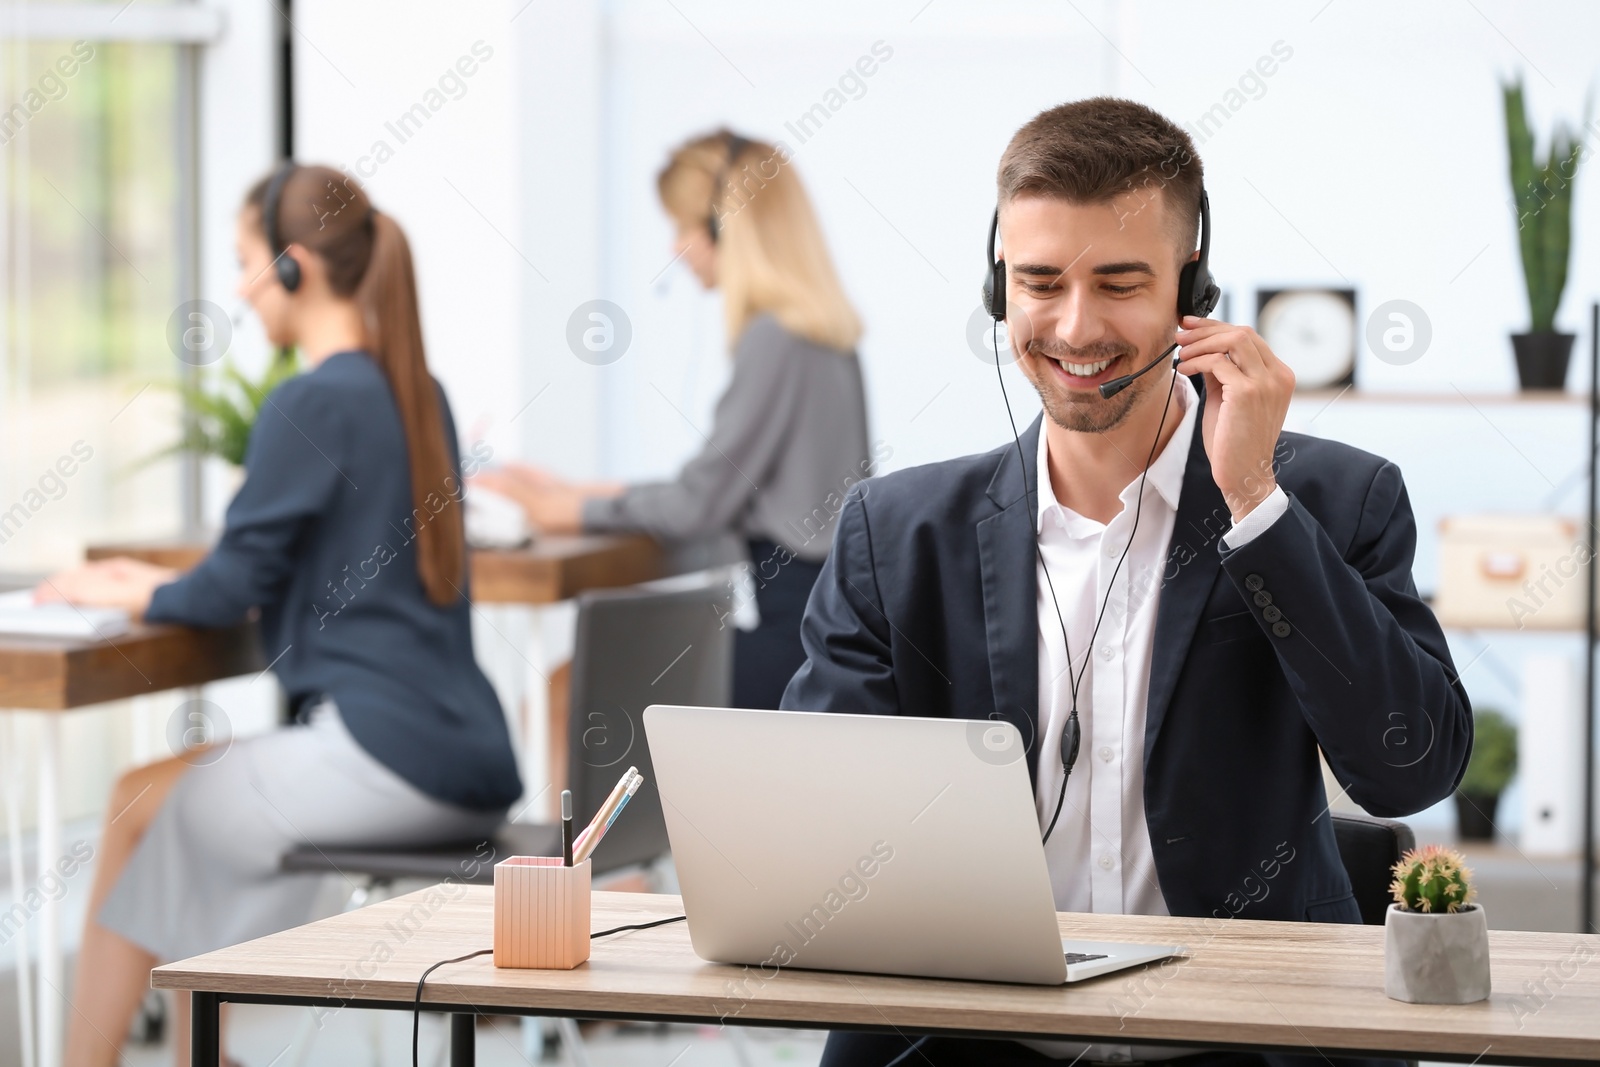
(1436, 957)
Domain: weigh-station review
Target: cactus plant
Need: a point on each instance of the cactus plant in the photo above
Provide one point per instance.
(1543, 199)
(1432, 879)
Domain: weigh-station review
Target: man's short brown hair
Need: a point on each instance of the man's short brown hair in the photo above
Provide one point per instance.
(1089, 151)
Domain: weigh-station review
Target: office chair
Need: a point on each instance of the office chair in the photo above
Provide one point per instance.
(1369, 847)
(634, 647)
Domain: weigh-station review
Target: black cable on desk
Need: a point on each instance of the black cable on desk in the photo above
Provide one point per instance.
(416, 1004)
(638, 926)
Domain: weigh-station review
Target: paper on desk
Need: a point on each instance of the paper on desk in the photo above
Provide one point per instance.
(19, 615)
(495, 521)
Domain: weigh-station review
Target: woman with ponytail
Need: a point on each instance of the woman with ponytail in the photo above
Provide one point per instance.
(347, 538)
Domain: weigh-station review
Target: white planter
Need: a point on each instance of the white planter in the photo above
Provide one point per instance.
(1436, 957)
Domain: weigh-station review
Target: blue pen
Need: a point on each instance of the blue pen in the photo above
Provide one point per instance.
(638, 780)
(592, 839)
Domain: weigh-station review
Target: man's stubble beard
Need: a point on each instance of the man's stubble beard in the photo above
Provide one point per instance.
(1089, 413)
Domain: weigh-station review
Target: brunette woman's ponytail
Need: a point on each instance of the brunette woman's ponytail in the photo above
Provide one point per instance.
(388, 299)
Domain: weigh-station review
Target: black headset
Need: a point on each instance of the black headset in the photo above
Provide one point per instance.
(1197, 295)
(736, 144)
(283, 264)
(1197, 292)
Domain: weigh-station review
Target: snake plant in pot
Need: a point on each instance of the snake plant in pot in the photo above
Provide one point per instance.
(1542, 196)
(1436, 940)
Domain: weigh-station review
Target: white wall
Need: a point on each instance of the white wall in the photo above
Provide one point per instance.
(1374, 155)
(1372, 158)
(453, 180)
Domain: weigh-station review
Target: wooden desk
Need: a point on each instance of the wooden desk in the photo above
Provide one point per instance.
(551, 570)
(1244, 985)
(59, 674)
(53, 675)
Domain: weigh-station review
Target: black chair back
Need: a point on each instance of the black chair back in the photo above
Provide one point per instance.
(637, 647)
(1370, 847)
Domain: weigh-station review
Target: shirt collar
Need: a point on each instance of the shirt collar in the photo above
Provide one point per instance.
(1166, 473)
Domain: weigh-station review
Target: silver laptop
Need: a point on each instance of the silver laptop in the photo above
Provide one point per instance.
(866, 843)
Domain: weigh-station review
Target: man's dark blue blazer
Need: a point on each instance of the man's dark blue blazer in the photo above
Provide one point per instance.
(926, 606)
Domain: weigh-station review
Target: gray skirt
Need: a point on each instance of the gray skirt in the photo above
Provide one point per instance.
(205, 875)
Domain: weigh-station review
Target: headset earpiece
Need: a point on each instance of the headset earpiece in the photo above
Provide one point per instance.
(1197, 292)
(994, 279)
(736, 144)
(288, 269)
(283, 264)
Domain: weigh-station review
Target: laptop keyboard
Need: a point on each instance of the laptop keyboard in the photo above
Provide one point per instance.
(1083, 957)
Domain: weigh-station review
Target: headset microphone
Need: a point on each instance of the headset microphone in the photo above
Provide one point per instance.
(1197, 295)
(1117, 385)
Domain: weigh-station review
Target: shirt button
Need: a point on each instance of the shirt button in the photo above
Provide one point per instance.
(1111, 551)
(1106, 861)
(1106, 652)
(1105, 753)
(1253, 582)
(1281, 628)
(1263, 598)
(1271, 613)
(1060, 522)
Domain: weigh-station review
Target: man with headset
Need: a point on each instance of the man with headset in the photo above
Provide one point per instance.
(1176, 602)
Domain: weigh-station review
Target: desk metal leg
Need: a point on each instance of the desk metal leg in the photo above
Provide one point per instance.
(19, 877)
(463, 1040)
(52, 983)
(205, 1029)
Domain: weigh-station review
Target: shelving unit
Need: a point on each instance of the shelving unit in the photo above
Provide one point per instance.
(1592, 625)
(1321, 399)
(1390, 396)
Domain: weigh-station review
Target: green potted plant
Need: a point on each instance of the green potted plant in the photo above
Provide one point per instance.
(1542, 196)
(219, 420)
(1435, 939)
(1489, 770)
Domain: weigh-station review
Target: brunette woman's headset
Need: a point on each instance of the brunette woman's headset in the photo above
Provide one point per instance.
(283, 264)
(1197, 295)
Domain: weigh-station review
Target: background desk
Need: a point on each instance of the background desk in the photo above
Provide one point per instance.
(1245, 984)
(54, 675)
(551, 570)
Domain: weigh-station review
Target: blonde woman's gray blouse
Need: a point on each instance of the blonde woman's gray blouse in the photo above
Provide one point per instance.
(787, 442)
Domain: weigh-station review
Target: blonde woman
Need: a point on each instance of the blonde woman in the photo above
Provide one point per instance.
(789, 437)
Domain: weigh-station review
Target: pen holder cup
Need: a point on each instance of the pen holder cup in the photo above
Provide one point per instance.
(541, 913)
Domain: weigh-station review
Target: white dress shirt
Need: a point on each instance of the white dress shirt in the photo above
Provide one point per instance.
(1099, 855)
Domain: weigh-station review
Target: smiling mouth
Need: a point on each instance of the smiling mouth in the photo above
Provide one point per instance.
(1081, 374)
